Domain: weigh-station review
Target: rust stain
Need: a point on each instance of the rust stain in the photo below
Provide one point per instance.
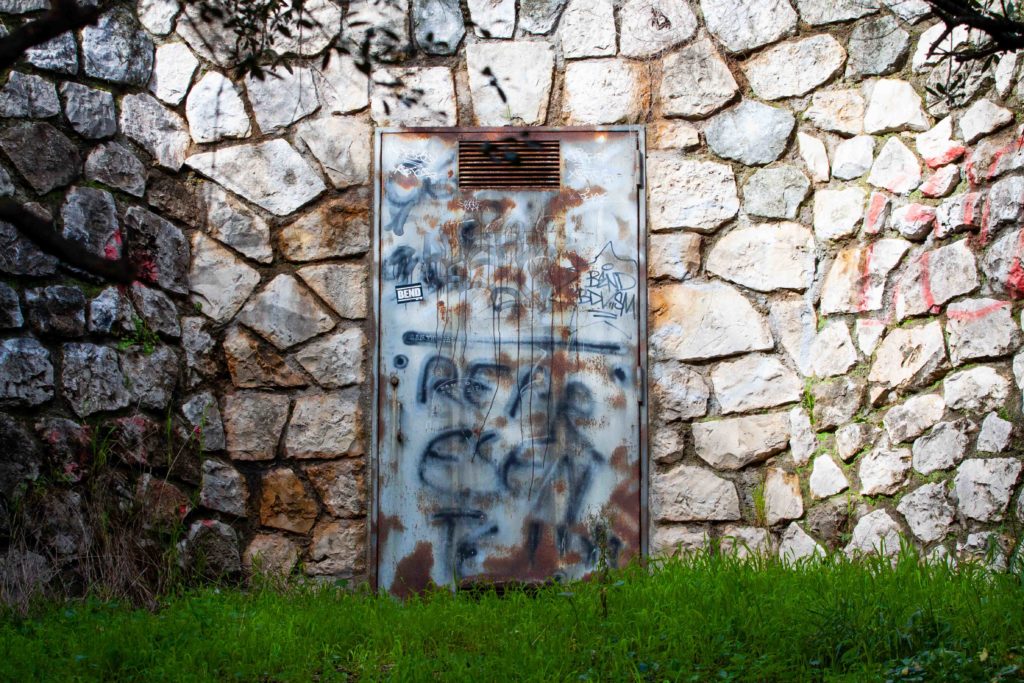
(412, 574)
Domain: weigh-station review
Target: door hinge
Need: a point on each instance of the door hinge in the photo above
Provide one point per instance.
(639, 168)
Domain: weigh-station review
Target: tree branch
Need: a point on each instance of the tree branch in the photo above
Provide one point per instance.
(65, 15)
(44, 234)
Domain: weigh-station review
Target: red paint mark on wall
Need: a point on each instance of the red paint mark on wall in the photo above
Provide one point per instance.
(865, 278)
(1015, 277)
(875, 209)
(978, 314)
(926, 281)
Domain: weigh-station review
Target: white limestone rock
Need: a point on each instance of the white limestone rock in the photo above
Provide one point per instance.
(342, 285)
(879, 208)
(856, 279)
(666, 444)
(851, 439)
(754, 382)
(909, 356)
(310, 30)
(522, 69)
(744, 25)
(587, 29)
(894, 105)
(986, 548)
(673, 134)
(157, 16)
(235, 225)
(342, 145)
(896, 169)
(796, 545)
(28, 96)
(983, 487)
(1003, 264)
(957, 214)
(911, 418)
(827, 479)
(493, 18)
(160, 131)
(812, 151)
(752, 133)
(745, 541)
(782, 497)
(324, 426)
(869, 333)
(172, 73)
(796, 323)
(734, 443)
(685, 193)
(837, 213)
(911, 11)
(876, 532)
(438, 26)
(389, 23)
(942, 182)
(934, 277)
(271, 174)
(802, 440)
(941, 448)
(981, 118)
(285, 313)
(928, 512)
(647, 27)
(787, 249)
(937, 146)
(979, 389)
(914, 221)
(681, 392)
(605, 91)
(220, 282)
(820, 12)
(794, 68)
(686, 494)
(981, 328)
(342, 87)
(675, 255)
(116, 49)
(877, 46)
(696, 81)
(932, 48)
(703, 320)
(1006, 202)
(58, 54)
(432, 105)
(282, 95)
(995, 434)
(883, 471)
(215, 110)
(852, 158)
(678, 541)
(837, 111)
(775, 192)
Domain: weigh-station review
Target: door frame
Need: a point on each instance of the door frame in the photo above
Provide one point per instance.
(373, 480)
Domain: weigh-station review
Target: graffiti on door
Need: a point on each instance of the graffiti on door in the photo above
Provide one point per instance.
(509, 437)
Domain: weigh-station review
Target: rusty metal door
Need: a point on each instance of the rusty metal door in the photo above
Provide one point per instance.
(511, 296)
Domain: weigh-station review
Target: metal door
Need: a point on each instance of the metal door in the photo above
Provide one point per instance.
(511, 297)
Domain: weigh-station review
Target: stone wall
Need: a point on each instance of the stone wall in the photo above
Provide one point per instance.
(835, 254)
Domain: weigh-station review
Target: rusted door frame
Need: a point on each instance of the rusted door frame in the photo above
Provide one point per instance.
(642, 392)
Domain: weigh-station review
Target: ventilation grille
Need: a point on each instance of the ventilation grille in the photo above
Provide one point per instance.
(522, 164)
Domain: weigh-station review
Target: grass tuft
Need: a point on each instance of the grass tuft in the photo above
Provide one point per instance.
(708, 617)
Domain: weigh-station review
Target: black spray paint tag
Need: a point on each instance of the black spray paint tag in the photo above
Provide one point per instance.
(409, 293)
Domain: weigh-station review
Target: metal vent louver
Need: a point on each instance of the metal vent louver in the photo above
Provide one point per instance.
(517, 164)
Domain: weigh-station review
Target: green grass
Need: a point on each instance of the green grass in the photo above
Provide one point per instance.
(710, 618)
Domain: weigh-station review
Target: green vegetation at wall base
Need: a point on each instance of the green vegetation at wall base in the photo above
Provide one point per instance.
(710, 618)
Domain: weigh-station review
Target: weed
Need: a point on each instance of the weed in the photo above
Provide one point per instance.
(141, 336)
